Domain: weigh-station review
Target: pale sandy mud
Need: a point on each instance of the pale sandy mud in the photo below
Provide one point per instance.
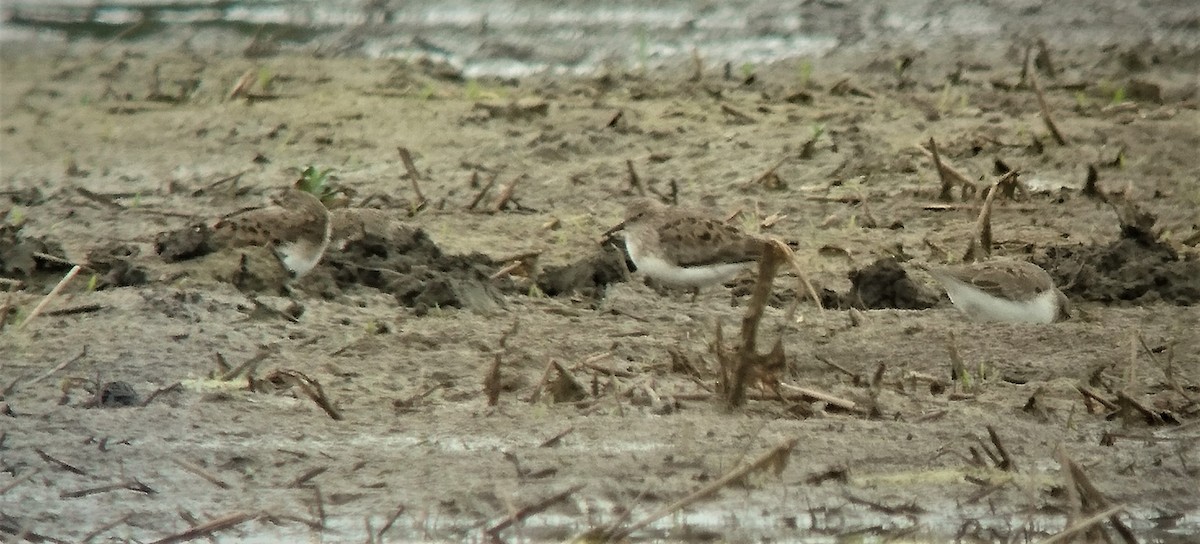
(401, 329)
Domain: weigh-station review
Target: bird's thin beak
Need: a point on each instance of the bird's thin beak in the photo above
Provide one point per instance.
(608, 234)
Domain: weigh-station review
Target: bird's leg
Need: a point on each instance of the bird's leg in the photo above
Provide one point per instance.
(695, 293)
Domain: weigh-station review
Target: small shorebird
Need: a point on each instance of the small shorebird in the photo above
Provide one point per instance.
(1012, 291)
(296, 226)
(683, 248)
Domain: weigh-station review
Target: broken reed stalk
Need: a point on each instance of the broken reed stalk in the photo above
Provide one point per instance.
(1006, 461)
(1074, 503)
(741, 116)
(319, 505)
(57, 368)
(571, 381)
(50, 296)
(1042, 60)
(509, 334)
(1046, 117)
(527, 511)
(616, 118)
(250, 365)
(542, 383)
(390, 521)
(103, 200)
(298, 380)
(805, 393)
(1088, 393)
(991, 456)
(769, 178)
(1167, 371)
(131, 485)
(947, 186)
(483, 192)
(242, 86)
(948, 175)
(556, 439)
(506, 194)
(1131, 369)
(958, 369)
(207, 529)
(634, 180)
(982, 241)
(491, 382)
(1068, 533)
(775, 459)
(1090, 498)
(59, 463)
(413, 174)
(308, 475)
(738, 366)
(316, 393)
(506, 270)
(177, 386)
(201, 472)
(1151, 417)
(807, 285)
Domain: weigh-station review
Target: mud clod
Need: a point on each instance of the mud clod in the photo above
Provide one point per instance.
(405, 262)
(588, 276)
(183, 244)
(115, 263)
(19, 253)
(1128, 271)
(884, 284)
(117, 394)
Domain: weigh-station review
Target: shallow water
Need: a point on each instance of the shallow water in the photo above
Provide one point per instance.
(702, 523)
(520, 37)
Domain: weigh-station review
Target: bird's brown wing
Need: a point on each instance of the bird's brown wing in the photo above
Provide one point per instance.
(1006, 280)
(697, 241)
(292, 215)
(248, 228)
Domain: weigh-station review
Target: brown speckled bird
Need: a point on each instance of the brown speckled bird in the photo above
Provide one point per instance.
(680, 247)
(295, 226)
(1003, 290)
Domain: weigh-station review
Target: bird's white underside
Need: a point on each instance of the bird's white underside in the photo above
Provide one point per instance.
(982, 306)
(689, 276)
(301, 256)
(298, 258)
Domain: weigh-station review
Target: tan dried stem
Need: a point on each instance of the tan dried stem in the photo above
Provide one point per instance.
(800, 275)
(1045, 107)
(949, 176)
(413, 175)
(774, 459)
(980, 247)
(738, 367)
(50, 296)
(634, 180)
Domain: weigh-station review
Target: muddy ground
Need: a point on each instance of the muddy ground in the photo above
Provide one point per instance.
(110, 148)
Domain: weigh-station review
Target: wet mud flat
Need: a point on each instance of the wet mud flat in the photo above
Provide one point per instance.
(473, 363)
